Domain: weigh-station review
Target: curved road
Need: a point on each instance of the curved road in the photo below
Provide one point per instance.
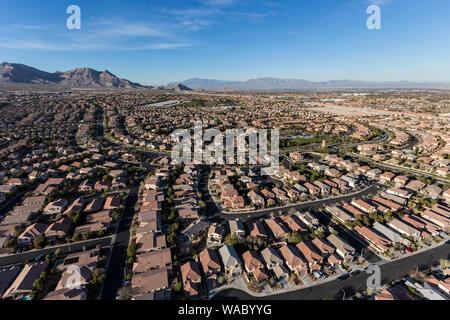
(299, 206)
(390, 271)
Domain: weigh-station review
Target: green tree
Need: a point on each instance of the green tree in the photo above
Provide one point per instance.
(445, 263)
(39, 242)
(98, 277)
(38, 284)
(177, 286)
(295, 237)
(76, 237)
(131, 251)
(231, 239)
(173, 214)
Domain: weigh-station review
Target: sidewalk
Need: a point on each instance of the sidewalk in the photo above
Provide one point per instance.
(240, 284)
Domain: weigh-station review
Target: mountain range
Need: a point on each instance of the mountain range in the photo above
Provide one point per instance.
(277, 84)
(178, 87)
(14, 73)
(80, 77)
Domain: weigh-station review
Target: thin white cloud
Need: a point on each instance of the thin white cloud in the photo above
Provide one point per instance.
(195, 19)
(380, 2)
(168, 30)
(196, 24)
(28, 45)
(21, 26)
(220, 3)
(136, 29)
(84, 46)
(100, 35)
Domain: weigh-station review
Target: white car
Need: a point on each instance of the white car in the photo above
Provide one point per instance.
(317, 274)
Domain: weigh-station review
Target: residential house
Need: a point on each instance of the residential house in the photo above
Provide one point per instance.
(230, 260)
(441, 220)
(257, 230)
(277, 228)
(364, 206)
(94, 205)
(216, 234)
(112, 203)
(150, 241)
(104, 217)
(91, 228)
(391, 234)
(56, 208)
(415, 185)
(400, 181)
(256, 199)
(67, 294)
(150, 281)
(187, 214)
(59, 229)
(343, 248)
(7, 276)
(24, 283)
(432, 191)
(211, 267)
(324, 247)
(152, 260)
(312, 189)
(190, 274)
(387, 177)
(307, 218)
(252, 261)
(379, 242)
(391, 205)
(339, 214)
(31, 233)
(271, 258)
(399, 192)
(311, 254)
(294, 223)
(405, 228)
(293, 259)
(237, 229)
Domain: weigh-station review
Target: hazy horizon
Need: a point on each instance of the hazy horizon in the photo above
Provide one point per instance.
(161, 42)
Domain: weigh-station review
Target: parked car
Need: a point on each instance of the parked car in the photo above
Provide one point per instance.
(343, 277)
(438, 274)
(356, 272)
(317, 274)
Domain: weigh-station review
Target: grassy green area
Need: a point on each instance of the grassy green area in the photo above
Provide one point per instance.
(195, 103)
(311, 174)
(298, 142)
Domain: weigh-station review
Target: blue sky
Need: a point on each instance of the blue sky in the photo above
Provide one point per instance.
(158, 41)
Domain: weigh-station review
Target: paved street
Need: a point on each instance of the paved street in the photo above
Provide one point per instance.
(389, 271)
(399, 169)
(300, 206)
(115, 274)
(65, 249)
